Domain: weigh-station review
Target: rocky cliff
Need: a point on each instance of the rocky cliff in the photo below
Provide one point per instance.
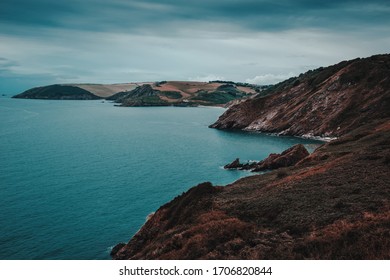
(288, 158)
(332, 204)
(326, 102)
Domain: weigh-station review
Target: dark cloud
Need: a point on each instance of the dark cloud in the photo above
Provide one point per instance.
(262, 15)
(36, 13)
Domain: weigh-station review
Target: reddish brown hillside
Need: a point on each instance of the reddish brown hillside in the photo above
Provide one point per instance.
(325, 102)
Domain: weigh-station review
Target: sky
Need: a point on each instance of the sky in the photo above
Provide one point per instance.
(117, 41)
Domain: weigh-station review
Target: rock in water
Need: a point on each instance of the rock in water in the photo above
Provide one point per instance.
(116, 248)
(234, 164)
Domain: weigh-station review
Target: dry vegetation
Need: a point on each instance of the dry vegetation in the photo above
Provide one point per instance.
(107, 90)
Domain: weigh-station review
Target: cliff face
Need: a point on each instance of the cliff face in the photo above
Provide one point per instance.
(333, 204)
(288, 158)
(325, 102)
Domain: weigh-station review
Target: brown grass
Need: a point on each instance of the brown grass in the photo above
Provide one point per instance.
(367, 238)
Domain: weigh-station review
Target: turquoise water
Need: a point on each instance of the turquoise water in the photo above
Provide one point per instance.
(77, 177)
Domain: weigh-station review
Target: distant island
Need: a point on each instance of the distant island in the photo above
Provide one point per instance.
(331, 204)
(164, 93)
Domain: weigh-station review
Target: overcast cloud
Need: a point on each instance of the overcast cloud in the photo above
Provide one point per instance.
(264, 41)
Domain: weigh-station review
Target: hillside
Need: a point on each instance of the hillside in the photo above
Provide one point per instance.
(183, 94)
(327, 102)
(58, 92)
(108, 90)
(332, 204)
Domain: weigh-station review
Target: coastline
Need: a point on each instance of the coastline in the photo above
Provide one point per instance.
(304, 136)
(331, 204)
(215, 107)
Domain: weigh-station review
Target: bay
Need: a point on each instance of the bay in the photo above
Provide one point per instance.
(78, 177)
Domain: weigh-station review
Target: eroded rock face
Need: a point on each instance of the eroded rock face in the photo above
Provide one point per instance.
(289, 157)
(116, 248)
(326, 102)
(235, 164)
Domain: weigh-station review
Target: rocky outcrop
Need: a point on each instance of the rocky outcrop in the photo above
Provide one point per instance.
(289, 157)
(116, 248)
(328, 101)
(235, 164)
(58, 92)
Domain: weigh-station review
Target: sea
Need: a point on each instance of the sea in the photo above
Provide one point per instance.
(78, 177)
